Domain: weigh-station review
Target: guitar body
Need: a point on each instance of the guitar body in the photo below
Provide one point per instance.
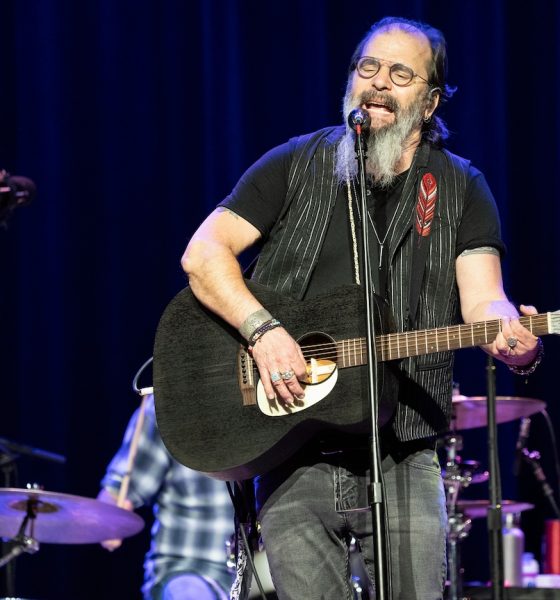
(200, 411)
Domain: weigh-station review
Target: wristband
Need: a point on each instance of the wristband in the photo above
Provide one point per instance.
(530, 368)
(253, 322)
(258, 333)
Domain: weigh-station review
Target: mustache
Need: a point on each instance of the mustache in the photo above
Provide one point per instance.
(379, 98)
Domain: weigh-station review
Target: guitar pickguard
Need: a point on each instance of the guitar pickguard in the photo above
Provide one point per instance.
(320, 352)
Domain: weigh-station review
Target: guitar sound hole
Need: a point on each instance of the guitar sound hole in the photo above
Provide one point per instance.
(320, 352)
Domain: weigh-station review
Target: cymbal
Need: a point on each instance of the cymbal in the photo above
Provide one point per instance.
(469, 412)
(475, 509)
(63, 518)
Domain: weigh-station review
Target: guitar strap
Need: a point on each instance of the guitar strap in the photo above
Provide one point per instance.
(245, 537)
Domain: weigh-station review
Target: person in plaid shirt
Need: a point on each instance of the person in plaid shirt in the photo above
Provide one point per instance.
(193, 517)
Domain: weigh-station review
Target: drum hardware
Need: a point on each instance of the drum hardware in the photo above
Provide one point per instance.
(10, 451)
(457, 526)
(469, 413)
(30, 516)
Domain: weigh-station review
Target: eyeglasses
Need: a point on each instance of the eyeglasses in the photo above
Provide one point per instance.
(401, 75)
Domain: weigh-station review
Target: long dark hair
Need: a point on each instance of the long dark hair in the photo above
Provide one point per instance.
(435, 130)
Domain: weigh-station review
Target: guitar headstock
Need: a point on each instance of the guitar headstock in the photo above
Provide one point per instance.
(554, 322)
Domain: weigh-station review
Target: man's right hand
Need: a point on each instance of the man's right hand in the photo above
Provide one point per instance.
(106, 496)
(278, 356)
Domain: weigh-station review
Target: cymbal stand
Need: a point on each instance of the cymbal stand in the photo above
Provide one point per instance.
(21, 542)
(458, 526)
(10, 451)
(8, 468)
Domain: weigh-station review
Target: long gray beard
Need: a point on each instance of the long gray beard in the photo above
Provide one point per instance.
(384, 146)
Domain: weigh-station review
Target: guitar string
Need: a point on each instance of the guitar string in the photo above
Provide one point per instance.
(463, 330)
(391, 343)
(357, 345)
(410, 340)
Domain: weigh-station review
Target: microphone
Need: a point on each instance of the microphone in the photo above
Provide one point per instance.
(522, 438)
(14, 191)
(359, 120)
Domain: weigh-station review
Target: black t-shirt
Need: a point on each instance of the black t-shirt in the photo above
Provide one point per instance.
(259, 196)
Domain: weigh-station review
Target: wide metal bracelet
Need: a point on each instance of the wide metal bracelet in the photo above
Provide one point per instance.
(253, 322)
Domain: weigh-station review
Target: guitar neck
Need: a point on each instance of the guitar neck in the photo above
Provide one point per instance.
(394, 346)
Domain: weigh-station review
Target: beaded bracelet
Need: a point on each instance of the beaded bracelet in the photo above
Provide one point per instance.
(258, 333)
(530, 368)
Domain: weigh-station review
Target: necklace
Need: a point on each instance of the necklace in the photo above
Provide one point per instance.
(380, 241)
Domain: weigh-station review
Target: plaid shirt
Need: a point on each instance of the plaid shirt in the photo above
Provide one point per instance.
(193, 513)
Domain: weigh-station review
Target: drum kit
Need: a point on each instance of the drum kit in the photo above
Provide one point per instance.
(469, 413)
(32, 516)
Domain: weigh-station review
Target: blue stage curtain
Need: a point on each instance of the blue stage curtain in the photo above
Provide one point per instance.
(134, 118)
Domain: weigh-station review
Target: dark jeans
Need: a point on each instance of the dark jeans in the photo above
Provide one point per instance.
(306, 537)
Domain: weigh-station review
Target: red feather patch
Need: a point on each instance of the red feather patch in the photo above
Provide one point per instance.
(426, 205)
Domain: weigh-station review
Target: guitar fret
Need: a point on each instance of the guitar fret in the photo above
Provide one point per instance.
(407, 335)
(395, 346)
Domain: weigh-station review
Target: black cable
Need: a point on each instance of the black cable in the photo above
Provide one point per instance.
(554, 447)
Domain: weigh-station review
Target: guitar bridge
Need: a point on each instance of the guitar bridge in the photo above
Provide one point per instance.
(246, 377)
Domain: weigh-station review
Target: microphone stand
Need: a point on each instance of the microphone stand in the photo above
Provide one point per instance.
(495, 507)
(375, 490)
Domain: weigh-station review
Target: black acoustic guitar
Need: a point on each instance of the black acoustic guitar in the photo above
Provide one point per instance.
(211, 408)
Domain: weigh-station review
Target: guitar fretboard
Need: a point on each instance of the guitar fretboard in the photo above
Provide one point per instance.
(393, 346)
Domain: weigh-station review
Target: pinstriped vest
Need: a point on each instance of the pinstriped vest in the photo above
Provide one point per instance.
(292, 250)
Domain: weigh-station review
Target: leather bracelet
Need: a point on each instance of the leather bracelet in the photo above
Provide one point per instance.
(256, 335)
(253, 322)
(530, 368)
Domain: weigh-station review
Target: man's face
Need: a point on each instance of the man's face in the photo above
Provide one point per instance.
(379, 95)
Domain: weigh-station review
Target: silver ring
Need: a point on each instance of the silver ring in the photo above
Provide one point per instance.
(274, 377)
(512, 342)
(287, 374)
